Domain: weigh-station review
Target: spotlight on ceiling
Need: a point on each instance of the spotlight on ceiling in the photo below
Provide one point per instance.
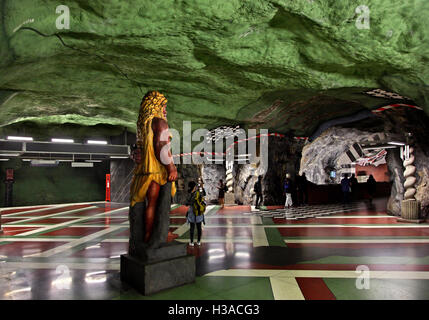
(19, 138)
(96, 142)
(62, 140)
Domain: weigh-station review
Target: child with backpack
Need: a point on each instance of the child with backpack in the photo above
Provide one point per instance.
(195, 213)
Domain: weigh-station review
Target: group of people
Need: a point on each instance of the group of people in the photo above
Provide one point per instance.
(289, 188)
(349, 187)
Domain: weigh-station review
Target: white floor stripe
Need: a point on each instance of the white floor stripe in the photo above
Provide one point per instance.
(12, 215)
(259, 236)
(29, 219)
(318, 274)
(285, 289)
(54, 265)
(220, 240)
(64, 224)
(74, 243)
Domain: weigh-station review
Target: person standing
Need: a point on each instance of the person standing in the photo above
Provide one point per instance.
(302, 189)
(195, 215)
(222, 188)
(345, 188)
(287, 191)
(353, 187)
(371, 185)
(258, 191)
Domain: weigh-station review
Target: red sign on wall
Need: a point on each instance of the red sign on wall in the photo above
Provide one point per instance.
(9, 174)
(107, 187)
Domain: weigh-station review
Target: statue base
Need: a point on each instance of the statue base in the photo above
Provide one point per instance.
(156, 265)
(410, 211)
(167, 267)
(230, 199)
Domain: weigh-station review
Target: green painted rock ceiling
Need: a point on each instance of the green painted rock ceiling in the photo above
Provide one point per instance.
(279, 64)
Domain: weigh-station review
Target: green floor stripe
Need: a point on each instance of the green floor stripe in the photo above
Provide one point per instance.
(274, 237)
(212, 288)
(379, 289)
(267, 221)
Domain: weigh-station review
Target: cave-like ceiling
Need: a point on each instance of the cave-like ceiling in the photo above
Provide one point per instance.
(280, 64)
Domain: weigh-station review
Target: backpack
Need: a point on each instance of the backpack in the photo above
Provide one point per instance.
(199, 205)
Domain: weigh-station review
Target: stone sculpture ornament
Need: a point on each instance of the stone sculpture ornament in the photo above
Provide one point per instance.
(153, 263)
(153, 176)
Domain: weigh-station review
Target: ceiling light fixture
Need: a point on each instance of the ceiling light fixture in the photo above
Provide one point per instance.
(62, 140)
(19, 138)
(396, 143)
(96, 142)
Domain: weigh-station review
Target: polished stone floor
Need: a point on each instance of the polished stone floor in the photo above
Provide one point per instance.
(355, 251)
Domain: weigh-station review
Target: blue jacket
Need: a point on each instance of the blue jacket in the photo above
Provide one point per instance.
(345, 185)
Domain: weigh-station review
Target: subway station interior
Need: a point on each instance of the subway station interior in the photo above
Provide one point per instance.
(288, 139)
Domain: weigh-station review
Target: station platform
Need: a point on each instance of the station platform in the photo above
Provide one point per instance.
(71, 251)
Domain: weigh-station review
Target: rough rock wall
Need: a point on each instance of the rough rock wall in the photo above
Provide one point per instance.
(396, 170)
(185, 174)
(121, 174)
(211, 174)
(403, 121)
(322, 155)
(283, 158)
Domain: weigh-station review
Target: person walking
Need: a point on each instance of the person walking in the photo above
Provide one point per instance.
(371, 186)
(345, 188)
(258, 191)
(222, 189)
(195, 213)
(287, 191)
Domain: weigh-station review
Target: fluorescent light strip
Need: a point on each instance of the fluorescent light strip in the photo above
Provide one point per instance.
(62, 140)
(9, 154)
(96, 142)
(4, 159)
(396, 143)
(93, 160)
(119, 157)
(19, 138)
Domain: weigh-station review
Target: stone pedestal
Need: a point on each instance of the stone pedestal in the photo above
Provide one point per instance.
(166, 267)
(410, 211)
(229, 198)
(155, 265)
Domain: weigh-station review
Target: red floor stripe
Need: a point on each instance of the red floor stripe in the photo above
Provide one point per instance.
(351, 232)
(315, 289)
(179, 211)
(9, 211)
(355, 245)
(55, 210)
(362, 220)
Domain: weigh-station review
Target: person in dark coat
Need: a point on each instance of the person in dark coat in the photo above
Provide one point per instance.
(258, 191)
(345, 188)
(371, 186)
(353, 187)
(222, 188)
